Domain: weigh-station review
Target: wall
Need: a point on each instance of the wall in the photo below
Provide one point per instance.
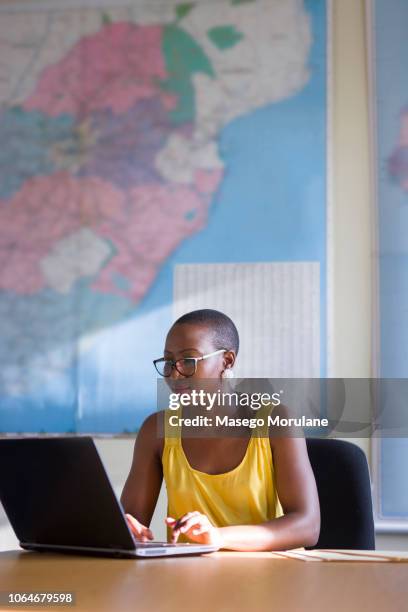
(351, 227)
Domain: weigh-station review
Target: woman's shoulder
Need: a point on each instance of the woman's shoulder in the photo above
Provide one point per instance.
(151, 431)
(156, 423)
(151, 420)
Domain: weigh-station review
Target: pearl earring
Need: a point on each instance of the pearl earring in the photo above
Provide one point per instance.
(229, 373)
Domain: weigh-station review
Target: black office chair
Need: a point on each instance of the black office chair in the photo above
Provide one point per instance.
(343, 485)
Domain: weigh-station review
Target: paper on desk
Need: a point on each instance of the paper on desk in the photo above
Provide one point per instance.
(376, 556)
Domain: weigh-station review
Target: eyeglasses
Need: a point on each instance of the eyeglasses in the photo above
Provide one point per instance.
(186, 366)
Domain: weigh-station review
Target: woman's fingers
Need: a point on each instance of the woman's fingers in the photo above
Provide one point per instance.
(171, 522)
(200, 521)
(147, 532)
(174, 524)
(196, 527)
(184, 523)
(133, 523)
(141, 532)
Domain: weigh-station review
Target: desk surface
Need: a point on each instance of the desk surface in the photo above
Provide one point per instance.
(224, 581)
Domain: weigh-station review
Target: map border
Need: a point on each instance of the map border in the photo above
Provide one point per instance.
(383, 524)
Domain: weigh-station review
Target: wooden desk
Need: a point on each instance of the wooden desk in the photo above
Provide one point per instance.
(224, 581)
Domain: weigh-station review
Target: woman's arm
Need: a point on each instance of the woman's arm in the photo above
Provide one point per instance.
(142, 487)
(296, 488)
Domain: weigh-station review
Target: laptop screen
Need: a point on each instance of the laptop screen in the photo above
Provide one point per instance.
(55, 491)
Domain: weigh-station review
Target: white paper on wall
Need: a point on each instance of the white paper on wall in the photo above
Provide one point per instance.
(275, 306)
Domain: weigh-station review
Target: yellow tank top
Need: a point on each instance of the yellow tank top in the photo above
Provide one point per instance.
(246, 495)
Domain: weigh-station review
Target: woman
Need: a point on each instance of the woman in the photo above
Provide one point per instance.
(238, 494)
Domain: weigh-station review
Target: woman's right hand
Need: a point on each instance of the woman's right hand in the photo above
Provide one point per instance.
(139, 531)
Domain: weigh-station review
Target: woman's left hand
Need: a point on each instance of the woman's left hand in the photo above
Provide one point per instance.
(196, 527)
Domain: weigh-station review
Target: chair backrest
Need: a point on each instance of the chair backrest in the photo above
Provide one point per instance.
(344, 488)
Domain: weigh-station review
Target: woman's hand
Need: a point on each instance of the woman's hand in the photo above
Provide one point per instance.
(139, 531)
(196, 527)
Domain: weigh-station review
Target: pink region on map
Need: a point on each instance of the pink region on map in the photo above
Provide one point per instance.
(159, 219)
(144, 225)
(207, 181)
(398, 161)
(112, 69)
(45, 210)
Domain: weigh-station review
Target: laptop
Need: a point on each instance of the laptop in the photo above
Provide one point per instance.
(58, 497)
